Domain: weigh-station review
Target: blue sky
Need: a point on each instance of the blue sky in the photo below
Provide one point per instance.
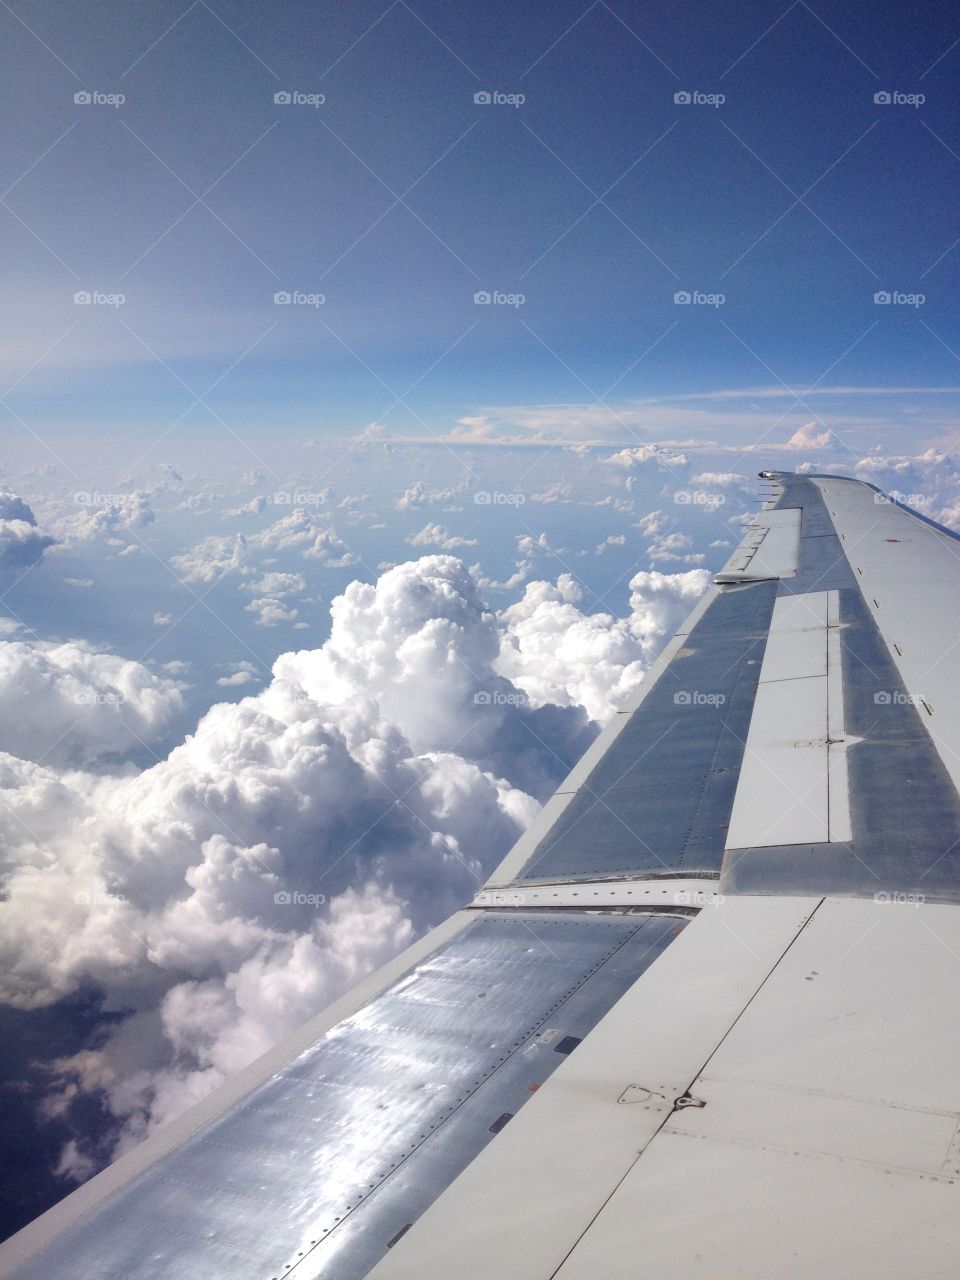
(597, 199)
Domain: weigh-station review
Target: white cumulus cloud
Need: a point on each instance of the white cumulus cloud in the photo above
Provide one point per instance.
(70, 704)
(808, 437)
(435, 535)
(557, 654)
(299, 836)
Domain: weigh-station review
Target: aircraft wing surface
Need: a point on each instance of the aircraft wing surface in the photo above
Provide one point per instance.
(703, 1020)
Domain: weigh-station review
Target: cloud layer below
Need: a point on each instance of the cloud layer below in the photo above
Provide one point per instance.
(298, 837)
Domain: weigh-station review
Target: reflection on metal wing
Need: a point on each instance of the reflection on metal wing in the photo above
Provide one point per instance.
(328, 1161)
(703, 1015)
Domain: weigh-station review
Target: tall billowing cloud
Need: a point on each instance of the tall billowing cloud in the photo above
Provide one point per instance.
(558, 655)
(300, 836)
(424, 644)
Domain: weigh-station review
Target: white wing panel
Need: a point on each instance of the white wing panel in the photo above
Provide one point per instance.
(793, 785)
(827, 1143)
(783, 795)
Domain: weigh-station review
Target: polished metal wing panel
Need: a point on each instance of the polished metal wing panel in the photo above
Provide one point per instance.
(325, 1164)
(660, 797)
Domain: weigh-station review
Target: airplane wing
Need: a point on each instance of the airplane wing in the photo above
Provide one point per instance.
(703, 1020)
